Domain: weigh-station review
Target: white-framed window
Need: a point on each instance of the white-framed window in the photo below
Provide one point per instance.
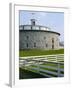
(35, 27)
(27, 27)
(42, 28)
(20, 27)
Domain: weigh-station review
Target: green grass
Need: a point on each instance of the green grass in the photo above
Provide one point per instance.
(29, 73)
(49, 64)
(53, 65)
(26, 74)
(33, 52)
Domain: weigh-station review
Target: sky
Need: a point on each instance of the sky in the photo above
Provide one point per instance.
(53, 20)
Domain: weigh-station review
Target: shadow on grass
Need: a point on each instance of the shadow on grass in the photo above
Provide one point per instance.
(25, 74)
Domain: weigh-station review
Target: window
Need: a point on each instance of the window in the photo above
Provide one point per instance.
(21, 27)
(44, 37)
(43, 28)
(53, 46)
(35, 27)
(27, 27)
(31, 27)
(46, 45)
(34, 44)
(27, 37)
(33, 22)
(27, 45)
(52, 43)
(52, 40)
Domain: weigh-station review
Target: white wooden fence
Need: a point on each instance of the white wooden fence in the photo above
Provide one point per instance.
(47, 65)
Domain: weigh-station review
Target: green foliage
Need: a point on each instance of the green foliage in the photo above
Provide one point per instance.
(33, 52)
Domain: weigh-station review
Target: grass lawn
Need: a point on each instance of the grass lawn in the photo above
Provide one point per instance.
(24, 53)
(49, 69)
(50, 64)
(26, 74)
(31, 73)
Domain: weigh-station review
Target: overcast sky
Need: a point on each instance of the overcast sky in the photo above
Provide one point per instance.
(53, 20)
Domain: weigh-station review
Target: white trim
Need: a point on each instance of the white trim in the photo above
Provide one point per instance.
(14, 52)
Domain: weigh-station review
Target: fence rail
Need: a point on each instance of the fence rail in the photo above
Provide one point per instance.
(47, 65)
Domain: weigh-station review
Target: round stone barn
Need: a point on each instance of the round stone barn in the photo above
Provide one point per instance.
(37, 37)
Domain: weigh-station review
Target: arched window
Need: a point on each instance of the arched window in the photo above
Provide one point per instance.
(46, 45)
(27, 45)
(52, 40)
(52, 43)
(44, 37)
(34, 44)
(27, 37)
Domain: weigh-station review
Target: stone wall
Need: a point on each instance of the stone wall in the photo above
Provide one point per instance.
(38, 40)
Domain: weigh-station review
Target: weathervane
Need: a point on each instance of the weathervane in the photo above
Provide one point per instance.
(33, 15)
(33, 21)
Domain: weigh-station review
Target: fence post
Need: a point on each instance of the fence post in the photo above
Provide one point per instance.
(24, 62)
(38, 66)
(58, 67)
